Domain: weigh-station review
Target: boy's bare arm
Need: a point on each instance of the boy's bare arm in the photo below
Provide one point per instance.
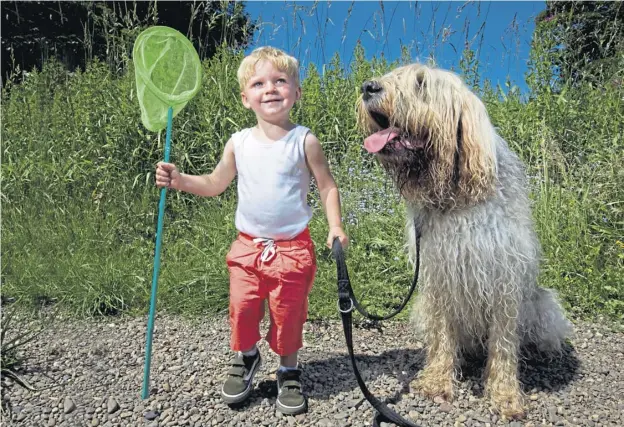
(330, 197)
(216, 182)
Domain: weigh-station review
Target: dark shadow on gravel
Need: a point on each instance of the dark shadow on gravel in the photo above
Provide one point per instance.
(265, 389)
(536, 370)
(551, 374)
(325, 378)
(334, 374)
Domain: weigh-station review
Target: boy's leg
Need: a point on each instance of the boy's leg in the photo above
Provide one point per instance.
(289, 361)
(246, 312)
(288, 309)
(291, 282)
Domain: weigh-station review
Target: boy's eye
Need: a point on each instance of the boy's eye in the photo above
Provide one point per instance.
(281, 80)
(257, 84)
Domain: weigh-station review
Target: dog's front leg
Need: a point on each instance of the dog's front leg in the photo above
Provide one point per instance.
(501, 372)
(438, 376)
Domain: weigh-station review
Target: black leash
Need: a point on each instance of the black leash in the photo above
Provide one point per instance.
(346, 303)
(356, 303)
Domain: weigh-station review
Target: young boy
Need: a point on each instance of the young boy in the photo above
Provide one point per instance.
(273, 257)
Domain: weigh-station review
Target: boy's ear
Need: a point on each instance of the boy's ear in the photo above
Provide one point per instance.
(246, 103)
(298, 93)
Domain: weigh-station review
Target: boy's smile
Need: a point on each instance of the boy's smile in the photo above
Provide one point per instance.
(270, 93)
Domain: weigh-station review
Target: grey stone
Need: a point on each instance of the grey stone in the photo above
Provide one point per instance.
(112, 406)
(69, 405)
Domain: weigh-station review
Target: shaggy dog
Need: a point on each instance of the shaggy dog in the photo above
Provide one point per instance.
(465, 191)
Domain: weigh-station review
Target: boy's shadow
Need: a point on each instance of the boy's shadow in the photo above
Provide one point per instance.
(323, 378)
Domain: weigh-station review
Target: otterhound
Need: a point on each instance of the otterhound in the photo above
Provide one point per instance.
(466, 191)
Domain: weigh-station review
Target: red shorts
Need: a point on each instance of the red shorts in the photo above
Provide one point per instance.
(284, 279)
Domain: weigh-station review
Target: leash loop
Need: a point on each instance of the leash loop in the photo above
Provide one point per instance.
(348, 310)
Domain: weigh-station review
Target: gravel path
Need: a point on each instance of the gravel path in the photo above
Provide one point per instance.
(96, 370)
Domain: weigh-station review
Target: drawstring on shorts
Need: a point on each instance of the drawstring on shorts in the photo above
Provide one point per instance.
(269, 251)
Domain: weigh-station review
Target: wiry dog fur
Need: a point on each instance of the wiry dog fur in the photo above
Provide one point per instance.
(466, 190)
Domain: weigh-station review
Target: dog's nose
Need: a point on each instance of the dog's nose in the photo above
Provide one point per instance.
(370, 88)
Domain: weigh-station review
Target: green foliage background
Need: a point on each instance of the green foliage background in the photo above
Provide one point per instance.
(79, 204)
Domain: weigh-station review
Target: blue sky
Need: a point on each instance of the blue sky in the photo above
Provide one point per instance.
(314, 31)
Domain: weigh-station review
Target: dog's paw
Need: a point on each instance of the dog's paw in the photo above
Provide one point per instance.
(434, 385)
(509, 405)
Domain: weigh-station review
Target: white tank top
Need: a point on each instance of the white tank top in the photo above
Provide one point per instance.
(273, 183)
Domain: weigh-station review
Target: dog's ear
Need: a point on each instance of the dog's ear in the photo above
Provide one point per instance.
(475, 158)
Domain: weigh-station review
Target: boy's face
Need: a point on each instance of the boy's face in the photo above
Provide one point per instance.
(270, 93)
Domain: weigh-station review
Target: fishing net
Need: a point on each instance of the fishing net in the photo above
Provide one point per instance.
(168, 74)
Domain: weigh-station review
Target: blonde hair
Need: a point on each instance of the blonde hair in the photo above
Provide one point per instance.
(280, 60)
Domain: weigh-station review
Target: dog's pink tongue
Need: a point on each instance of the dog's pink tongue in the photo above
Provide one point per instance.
(377, 141)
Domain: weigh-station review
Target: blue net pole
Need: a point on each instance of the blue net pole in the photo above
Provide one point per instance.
(152, 311)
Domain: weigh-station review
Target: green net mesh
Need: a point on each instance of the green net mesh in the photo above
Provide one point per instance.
(168, 74)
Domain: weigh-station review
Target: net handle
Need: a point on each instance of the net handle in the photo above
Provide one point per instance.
(159, 228)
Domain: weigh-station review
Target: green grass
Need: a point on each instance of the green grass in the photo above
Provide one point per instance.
(79, 203)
